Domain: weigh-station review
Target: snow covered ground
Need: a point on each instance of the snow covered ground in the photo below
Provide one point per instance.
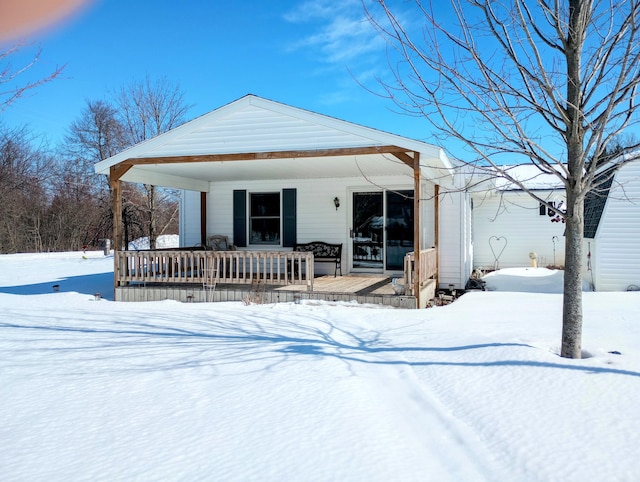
(164, 241)
(96, 390)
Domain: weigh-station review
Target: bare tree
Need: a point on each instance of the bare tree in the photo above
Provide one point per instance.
(96, 134)
(548, 82)
(24, 169)
(146, 109)
(81, 207)
(11, 88)
(24, 173)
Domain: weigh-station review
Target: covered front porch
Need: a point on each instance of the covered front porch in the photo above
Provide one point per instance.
(270, 177)
(190, 275)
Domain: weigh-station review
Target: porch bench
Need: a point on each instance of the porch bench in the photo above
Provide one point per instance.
(323, 252)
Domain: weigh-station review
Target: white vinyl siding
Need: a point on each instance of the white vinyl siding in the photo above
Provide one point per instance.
(317, 216)
(453, 243)
(616, 261)
(190, 218)
(255, 129)
(319, 220)
(515, 217)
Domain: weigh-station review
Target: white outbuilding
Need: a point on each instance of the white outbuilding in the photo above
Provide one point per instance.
(612, 231)
(511, 228)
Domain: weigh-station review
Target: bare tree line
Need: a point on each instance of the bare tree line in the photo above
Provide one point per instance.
(50, 197)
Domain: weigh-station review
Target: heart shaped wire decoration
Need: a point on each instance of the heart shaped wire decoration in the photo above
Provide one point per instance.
(498, 241)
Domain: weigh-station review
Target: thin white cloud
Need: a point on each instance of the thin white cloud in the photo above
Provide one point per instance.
(336, 97)
(340, 36)
(339, 30)
(311, 10)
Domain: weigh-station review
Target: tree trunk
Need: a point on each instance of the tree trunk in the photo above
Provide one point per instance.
(572, 302)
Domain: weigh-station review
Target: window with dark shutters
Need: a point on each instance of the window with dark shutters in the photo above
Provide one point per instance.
(262, 215)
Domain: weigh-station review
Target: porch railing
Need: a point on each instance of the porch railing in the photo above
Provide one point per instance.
(237, 267)
(428, 268)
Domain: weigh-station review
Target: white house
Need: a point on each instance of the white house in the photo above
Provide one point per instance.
(269, 176)
(509, 224)
(612, 230)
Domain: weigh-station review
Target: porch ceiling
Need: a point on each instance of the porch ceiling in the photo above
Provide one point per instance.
(196, 172)
(312, 167)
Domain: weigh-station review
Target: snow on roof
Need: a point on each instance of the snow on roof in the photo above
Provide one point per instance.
(530, 176)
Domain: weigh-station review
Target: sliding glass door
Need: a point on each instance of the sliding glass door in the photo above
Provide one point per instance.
(381, 230)
(367, 233)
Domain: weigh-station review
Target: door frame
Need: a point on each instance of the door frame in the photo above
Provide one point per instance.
(350, 228)
(351, 231)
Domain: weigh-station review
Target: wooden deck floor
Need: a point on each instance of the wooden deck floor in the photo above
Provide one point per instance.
(375, 289)
(356, 284)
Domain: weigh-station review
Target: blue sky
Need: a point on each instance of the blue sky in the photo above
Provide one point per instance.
(305, 53)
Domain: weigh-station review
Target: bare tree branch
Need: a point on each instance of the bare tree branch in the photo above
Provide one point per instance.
(544, 82)
(11, 88)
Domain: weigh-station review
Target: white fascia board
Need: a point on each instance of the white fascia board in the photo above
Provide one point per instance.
(441, 176)
(102, 167)
(446, 162)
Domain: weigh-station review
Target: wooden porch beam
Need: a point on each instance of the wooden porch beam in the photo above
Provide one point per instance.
(116, 172)
(252, 156)
(406, 158)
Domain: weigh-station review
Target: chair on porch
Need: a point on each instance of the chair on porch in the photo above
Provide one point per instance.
(219, 242)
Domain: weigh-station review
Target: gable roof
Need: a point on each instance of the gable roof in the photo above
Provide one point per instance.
(619, 170)
(596, 200)
(297, 144)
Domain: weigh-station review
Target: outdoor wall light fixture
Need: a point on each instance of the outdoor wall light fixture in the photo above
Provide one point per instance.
(336, 201)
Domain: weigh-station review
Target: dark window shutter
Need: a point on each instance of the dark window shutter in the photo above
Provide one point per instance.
(289, 218)
(240, 218)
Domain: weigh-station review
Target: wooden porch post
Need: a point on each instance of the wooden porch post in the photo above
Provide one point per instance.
(117, 215)
(417, 224)
(203, 218)
(115, 174)
(116, 186)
